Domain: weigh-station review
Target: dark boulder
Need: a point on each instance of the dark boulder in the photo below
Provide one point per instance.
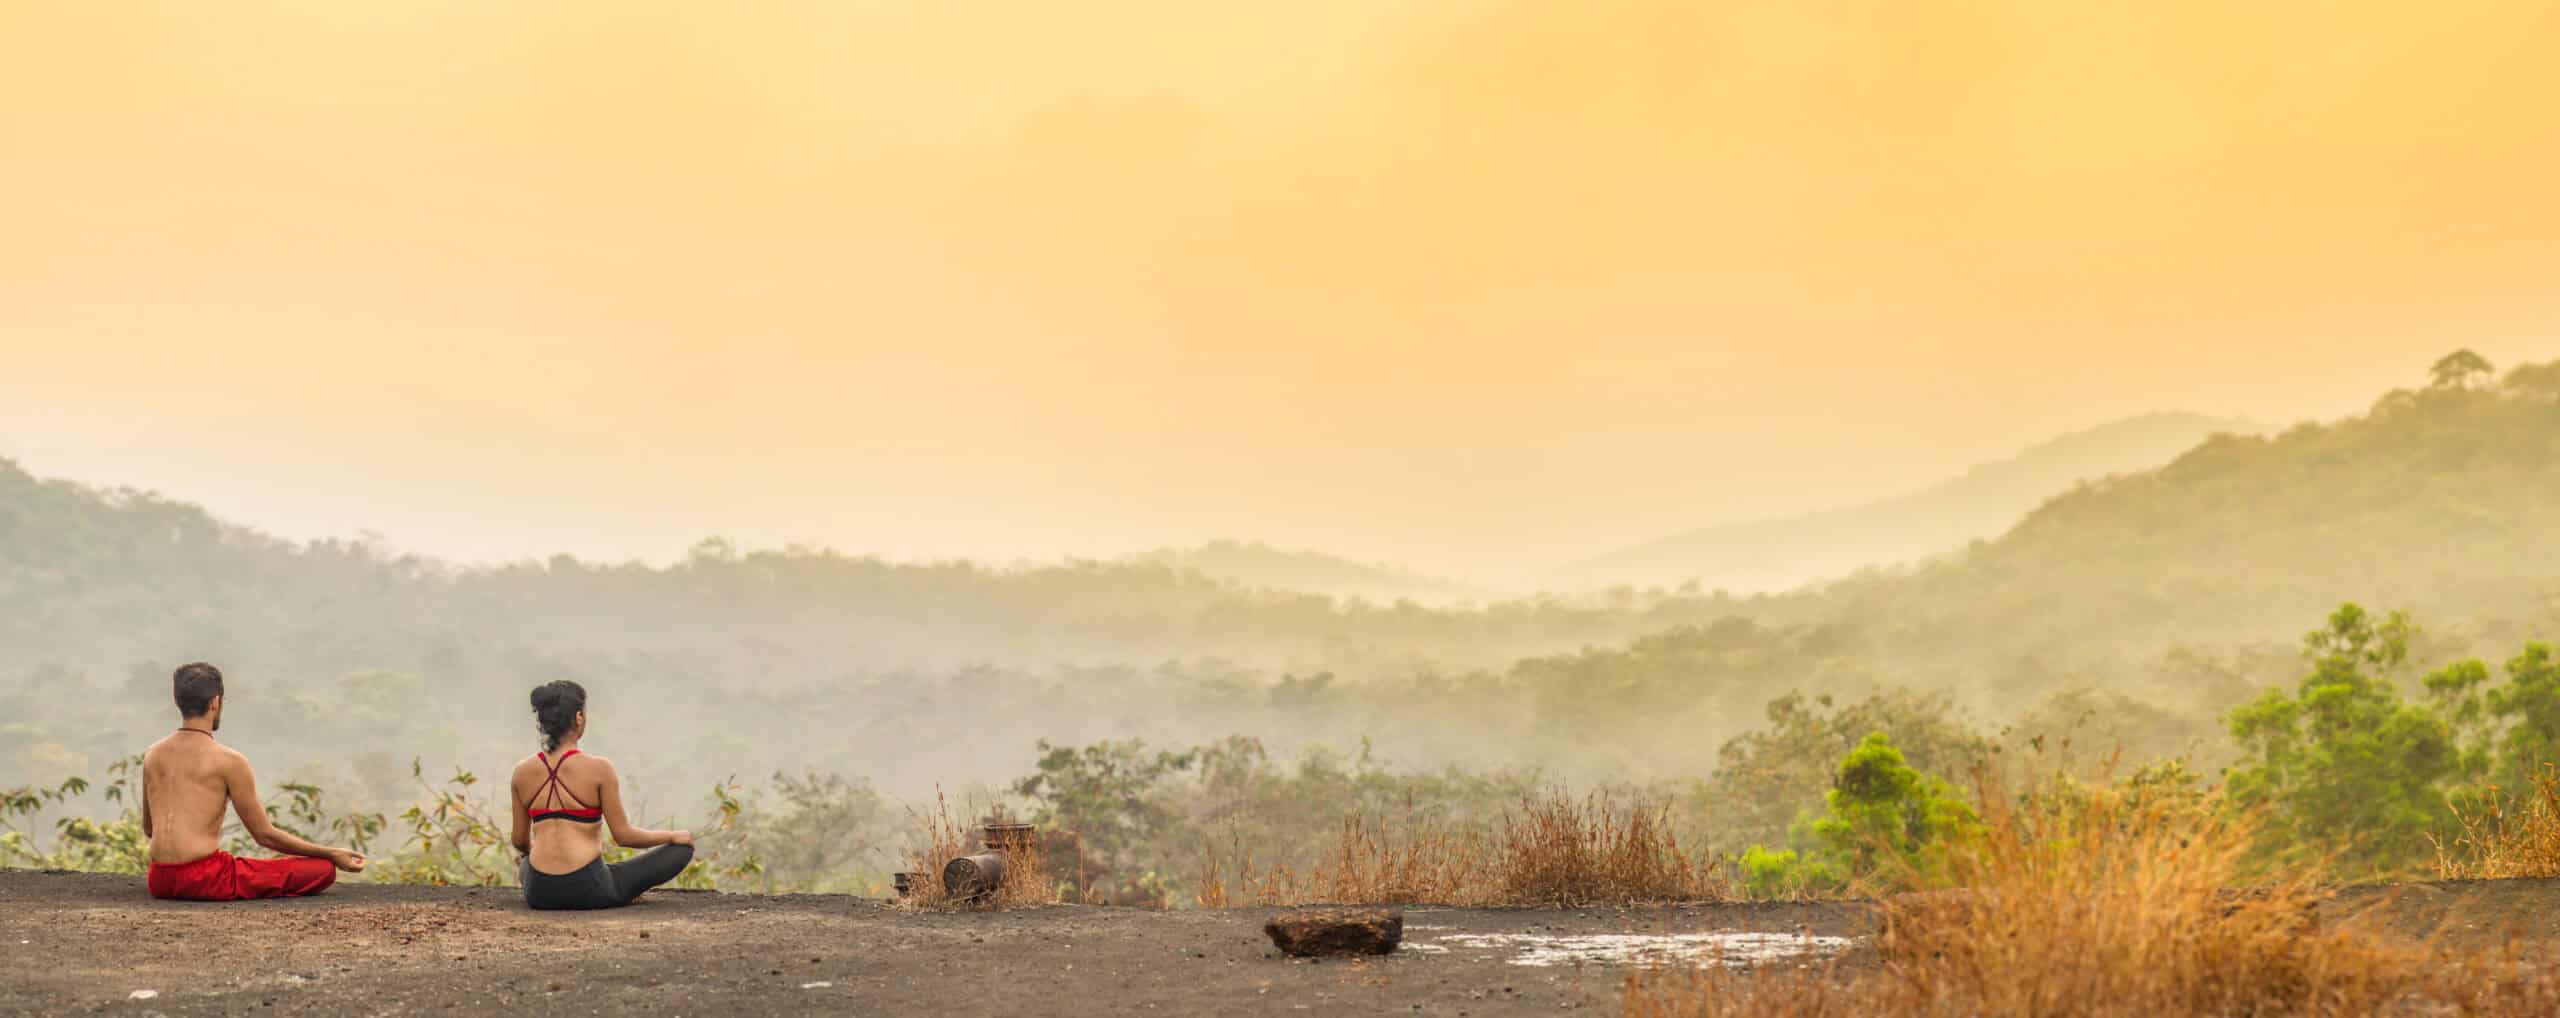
(1315, 932)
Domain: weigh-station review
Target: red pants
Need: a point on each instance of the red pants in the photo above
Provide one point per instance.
(221, 877)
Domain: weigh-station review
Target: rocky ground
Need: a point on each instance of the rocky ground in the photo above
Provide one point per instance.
(84, 943)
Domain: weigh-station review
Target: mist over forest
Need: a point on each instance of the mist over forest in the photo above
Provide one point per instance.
(2129, 612)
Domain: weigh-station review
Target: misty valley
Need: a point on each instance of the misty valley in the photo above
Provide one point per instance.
(1198, 739)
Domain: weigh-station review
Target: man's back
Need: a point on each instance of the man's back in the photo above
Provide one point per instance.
(186, 784)
(187, 781)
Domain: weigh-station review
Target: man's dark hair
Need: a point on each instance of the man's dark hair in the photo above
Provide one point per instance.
(196, 685)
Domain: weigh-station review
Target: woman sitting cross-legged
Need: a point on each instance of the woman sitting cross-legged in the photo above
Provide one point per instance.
(562, 798)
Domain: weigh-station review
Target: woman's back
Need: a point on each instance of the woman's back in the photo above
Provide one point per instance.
(562, 797)
(565, 802)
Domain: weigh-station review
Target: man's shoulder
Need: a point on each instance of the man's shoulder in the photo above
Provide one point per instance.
(195, 751)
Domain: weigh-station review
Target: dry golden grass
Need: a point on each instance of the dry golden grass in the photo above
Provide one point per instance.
(2111, 908)
(944, 837)
(1552, 851)
(1558, 851)
(1366, 864)
(2506, 834)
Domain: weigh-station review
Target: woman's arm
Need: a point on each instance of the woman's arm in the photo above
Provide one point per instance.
(624, 834)
(522, 838)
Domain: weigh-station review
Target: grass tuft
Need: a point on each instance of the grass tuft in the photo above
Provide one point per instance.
(944, 837)
(2506, 835)
(1551, 851)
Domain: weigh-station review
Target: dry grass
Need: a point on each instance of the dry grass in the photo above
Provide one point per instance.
(1367, 864)
(2111, 908)
(1552, 851)
(1561, 852)
(2506, 835)
(944, 837)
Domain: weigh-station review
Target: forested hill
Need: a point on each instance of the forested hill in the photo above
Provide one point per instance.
(1783, 553)
(99, 580)
(2441, 499)
(2444, 500)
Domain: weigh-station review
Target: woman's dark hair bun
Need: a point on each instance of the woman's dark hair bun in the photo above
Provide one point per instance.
(555, 710)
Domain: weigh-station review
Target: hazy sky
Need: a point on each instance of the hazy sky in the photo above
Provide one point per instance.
(1443, 282)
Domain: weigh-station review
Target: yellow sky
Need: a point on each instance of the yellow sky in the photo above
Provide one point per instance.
(1447, 282)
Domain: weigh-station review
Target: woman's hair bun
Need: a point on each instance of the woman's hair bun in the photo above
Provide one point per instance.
(555, 709)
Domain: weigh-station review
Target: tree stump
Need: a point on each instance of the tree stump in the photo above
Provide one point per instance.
(1316, 932)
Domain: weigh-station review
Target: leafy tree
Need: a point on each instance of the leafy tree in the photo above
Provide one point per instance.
(2343, 762)
(1107, 794)
(2460, 369)
(2531, 702)
(1883, 811)
(1765, 778)
(1784, 873)
(1882, 819)
(2510, 732)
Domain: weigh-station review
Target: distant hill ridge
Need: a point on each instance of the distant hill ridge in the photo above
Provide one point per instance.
(1256, 565)
(2444, 500)
(1783, 553)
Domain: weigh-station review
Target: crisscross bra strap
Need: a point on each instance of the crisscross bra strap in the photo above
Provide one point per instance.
(558, 790)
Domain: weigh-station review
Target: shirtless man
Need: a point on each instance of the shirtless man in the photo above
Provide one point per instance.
(187, 779)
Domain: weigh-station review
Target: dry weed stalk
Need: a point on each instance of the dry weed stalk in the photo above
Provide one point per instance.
(1561, 852)
(1547, 852)
(1366, 864)
(1370, 864)
(2506, 835)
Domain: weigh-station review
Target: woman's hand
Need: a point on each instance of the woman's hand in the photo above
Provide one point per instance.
(679, 837)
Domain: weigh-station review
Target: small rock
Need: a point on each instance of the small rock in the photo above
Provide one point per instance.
(142, 995)
(820, 985)
(1315, 932)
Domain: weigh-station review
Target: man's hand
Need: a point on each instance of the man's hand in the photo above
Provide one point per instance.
(680, 837)
(347, 859)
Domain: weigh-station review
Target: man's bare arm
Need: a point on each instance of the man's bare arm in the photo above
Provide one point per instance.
(253, 817)
(146, 806)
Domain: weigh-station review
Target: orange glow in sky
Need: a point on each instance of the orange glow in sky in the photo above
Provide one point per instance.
(1452, 283)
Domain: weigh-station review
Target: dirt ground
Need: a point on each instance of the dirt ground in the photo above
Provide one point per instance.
(86, 944)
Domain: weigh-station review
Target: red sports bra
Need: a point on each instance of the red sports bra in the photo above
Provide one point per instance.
(584, 814)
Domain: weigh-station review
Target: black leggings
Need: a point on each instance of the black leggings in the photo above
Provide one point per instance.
(597, 885)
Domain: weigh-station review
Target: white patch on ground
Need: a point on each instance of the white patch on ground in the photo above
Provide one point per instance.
(1734, 948)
